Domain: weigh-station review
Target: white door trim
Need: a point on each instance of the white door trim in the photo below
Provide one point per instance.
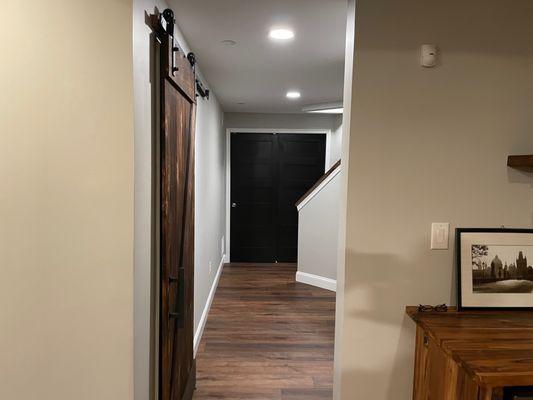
(229, 131)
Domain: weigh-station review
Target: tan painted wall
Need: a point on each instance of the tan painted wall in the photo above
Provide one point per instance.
(66, 203)
(426, 145)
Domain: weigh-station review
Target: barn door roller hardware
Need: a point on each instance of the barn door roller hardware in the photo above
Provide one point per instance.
(201, 90)
(162, 22)
(167, 21)
(200, 87)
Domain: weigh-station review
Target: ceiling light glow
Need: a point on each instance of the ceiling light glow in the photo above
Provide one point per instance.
(281, 34)
(328, 111)
(325, 108)
(293, 95)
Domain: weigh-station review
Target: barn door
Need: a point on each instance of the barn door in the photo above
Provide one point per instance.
(177, 106)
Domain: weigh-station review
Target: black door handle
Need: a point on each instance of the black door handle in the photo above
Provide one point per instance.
(178, 314)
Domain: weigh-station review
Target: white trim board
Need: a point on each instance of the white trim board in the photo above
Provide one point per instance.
(229, 131)
(205, 313)
(316, 280)
(317, 190)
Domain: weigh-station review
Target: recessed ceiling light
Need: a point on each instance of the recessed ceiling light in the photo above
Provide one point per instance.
(228, 42)
(293, 95)
(281, 34)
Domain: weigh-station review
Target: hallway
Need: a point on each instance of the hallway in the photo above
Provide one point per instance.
(267, 337)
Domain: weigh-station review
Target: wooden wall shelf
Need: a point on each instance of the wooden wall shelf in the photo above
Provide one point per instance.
(521, 162)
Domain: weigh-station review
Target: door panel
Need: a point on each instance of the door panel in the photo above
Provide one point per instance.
(253, 194)
(176, 154)
(175, 214)
(301, 160)
(269, 173)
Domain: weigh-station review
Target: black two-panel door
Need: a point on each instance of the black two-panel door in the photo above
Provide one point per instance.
(269, 173)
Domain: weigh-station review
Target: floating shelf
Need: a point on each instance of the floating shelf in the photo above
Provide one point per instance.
(521, 162)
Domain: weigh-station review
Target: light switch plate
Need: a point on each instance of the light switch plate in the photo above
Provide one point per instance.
(440, 235)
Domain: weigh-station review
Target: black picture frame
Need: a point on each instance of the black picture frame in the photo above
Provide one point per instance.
(458, 260)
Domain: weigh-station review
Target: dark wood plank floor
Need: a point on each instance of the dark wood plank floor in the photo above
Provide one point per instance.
(267, 337)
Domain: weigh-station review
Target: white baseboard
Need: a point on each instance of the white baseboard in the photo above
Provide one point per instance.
(315, 280)
(205, 313)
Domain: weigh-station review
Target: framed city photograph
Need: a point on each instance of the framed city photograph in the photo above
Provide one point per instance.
(495, 268)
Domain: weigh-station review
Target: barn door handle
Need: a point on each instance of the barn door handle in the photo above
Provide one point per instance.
(175, 49)
(178, 314)
(181, 296)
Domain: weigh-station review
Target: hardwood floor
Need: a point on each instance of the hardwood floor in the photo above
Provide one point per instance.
(267, 337)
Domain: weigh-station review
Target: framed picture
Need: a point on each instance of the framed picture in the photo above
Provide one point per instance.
(495, 268)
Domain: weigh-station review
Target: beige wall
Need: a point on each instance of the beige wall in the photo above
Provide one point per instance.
(426, 145)
(66, 203)
(343, 198)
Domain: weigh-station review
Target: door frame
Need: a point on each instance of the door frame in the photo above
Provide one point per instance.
(229, 131)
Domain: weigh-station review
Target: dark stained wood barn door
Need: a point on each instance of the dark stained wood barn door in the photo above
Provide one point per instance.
(269, 173)
(177, 107)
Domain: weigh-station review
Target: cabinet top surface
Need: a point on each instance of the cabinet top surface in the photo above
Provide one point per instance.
(494, 347)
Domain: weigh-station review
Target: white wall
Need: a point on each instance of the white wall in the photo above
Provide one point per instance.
(336, 139)
(318, 231)
(209, 207)
(292, 121)
(426, 145)
(66, 203)
(210, 214)
(279, 121)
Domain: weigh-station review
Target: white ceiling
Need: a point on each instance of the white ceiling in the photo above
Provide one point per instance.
(257, 71)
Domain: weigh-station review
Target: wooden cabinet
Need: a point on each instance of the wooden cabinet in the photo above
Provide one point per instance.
(438, 376)
(472, 355)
